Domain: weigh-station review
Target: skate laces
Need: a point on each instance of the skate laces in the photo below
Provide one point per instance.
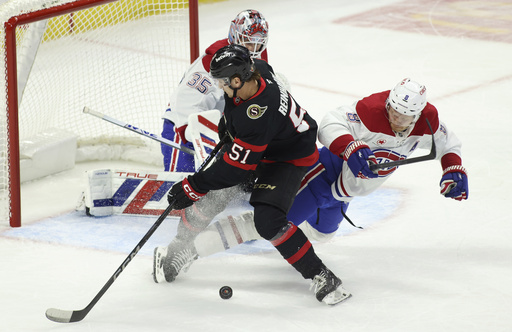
(182, 260)
(319, 282)
(325, 285)
(328, 288)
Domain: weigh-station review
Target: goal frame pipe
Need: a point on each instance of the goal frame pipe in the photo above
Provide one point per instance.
(13, 146)
(193, 19)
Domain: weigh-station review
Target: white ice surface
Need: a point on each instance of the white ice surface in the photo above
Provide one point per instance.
(423, 262)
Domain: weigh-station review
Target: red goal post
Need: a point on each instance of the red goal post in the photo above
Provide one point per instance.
(122, 57)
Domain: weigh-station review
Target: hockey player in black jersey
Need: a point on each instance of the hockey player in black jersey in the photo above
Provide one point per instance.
(270, 135)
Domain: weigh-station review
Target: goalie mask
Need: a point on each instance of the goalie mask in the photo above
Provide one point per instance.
(232, 60)
(249, 29)
(408, 97)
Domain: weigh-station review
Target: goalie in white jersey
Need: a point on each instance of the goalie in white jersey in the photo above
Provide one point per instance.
(197, 93)
(383, 127)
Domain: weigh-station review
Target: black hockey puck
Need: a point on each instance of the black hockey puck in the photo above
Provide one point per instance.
(225, 292)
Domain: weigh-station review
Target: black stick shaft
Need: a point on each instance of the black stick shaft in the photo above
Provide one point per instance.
(68, 316)
(430, 156)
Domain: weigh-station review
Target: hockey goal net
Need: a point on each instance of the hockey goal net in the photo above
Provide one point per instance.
(122, 58)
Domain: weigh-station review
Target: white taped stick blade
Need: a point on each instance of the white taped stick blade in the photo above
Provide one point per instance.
(59, 316)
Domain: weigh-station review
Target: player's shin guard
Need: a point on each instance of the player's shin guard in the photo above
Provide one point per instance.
(295, 247)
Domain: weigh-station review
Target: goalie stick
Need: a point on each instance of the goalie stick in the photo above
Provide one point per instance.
(140, 131)
(71, 316)
(430, 156)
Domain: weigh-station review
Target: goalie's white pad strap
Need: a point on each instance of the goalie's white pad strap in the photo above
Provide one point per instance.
(226, 233)
(111, 192)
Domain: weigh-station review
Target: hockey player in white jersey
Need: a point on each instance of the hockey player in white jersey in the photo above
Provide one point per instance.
(197, 93)
(383, 127)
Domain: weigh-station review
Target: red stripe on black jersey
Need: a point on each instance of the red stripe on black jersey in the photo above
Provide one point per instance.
(264, 131)
(247, 146)
(262, 87)
(241, 154)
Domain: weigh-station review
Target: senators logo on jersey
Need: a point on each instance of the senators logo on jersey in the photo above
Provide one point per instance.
(255, 111)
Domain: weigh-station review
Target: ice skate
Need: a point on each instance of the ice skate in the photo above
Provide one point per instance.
(169, 261)
(328, 289)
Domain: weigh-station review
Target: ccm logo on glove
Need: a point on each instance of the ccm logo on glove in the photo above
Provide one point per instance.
(190, 191)
(183, 194)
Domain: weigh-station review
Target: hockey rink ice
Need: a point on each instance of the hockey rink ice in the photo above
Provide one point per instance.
(422, 263)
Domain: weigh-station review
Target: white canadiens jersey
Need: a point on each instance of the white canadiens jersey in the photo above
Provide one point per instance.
(367, 121)
(197, 91)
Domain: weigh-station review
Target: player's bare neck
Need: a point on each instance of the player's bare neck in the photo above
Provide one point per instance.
(249, 89)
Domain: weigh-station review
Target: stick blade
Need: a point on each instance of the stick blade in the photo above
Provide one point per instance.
(64, 316)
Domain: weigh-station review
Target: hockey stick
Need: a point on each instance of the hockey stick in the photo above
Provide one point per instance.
(138, 130)
(430, 156)
(71, 316)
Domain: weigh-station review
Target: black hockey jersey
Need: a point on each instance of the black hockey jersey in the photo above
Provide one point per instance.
(269, 127)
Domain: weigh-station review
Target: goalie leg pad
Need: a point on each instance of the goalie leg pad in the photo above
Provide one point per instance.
(110, 191)
(226, 233)
(98, 193)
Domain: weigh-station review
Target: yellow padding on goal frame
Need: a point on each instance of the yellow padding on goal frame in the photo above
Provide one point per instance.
(109, 15)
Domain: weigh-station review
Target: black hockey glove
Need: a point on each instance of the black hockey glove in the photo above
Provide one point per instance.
(248, 184)
(223, 130)
(183, 194)
(221, 127)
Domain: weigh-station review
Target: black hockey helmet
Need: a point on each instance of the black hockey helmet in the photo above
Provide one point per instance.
(232, 60)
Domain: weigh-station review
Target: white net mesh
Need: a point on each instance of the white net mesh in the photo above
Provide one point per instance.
(122, 58)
